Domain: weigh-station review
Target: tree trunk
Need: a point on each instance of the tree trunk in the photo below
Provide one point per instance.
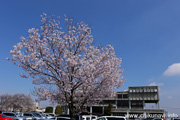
(71, 109)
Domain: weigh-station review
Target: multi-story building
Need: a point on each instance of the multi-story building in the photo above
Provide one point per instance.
(132, 101)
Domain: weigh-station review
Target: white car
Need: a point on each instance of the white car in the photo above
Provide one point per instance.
(89, 117)
(49, 116)
(111, 118)
(62, 118)
(32, 116)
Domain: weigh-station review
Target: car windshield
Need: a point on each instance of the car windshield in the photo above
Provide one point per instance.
(3, 116)
(18, 115)
(52, 115)
(115, 118)
(42, 115)
(36, 114)
(63, 119)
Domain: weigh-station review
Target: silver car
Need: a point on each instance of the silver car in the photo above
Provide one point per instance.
(42, 116)
(32, 116)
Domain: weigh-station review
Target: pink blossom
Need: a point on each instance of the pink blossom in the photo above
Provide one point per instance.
(66, 66)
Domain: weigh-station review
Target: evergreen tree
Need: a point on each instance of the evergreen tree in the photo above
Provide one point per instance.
(49, 109)
(58, 110)
(107, 110)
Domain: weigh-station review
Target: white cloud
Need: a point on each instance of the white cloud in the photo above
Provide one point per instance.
(172, 70)
(156, 84)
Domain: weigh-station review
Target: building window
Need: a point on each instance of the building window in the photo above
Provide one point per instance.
(119, 95)
(140, 90)
(125, 96)
(137, 90)
(144, 90)
(152, 90)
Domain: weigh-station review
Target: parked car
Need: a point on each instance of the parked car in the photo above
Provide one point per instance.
(175, 118)
(4, 117)
(52, 114)
(62, 118)
(14, 116)
(111, 118)
(42, 116)
(158, 119)
(32, 116)
(77, 117)
(49, 116)
(89, 117)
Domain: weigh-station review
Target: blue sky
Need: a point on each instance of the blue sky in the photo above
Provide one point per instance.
(145, 34)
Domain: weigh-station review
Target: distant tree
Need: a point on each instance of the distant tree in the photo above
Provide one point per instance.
(58, 110)
(49, 109)
(5, 102)
(107, 110)
(66, 65)
(17, 102)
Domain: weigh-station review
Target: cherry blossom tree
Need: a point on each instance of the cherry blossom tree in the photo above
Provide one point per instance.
(5, 102)
(17, 102)
(67, 68)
